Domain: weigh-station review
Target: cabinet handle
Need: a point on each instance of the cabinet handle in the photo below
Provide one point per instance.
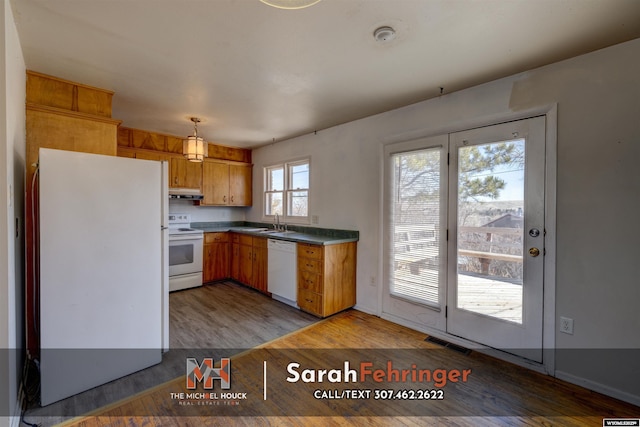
(309, 300)
(224, 199)
(231, 199)
(309, 265)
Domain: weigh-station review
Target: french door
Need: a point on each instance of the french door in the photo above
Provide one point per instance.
(465, 234)
(496, 229)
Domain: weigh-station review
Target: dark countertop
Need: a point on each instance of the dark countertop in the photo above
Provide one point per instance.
(311, 235)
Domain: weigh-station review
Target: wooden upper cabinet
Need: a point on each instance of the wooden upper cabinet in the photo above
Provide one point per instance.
(229, 153)
(226, 184)
(185, 174)
(150, 155)
(66, 95)
(215, 183)
(224, 178)
(136, 138)
(240, 185)
(61, 115)
(147, 140)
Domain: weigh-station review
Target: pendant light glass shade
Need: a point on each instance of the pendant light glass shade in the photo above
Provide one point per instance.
(290, 4)
(195, 148)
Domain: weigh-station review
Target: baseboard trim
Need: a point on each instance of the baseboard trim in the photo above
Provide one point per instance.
(598, 387)
(501, 355)
(365, 310)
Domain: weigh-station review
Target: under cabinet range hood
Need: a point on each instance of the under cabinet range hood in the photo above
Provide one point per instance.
(185, 193)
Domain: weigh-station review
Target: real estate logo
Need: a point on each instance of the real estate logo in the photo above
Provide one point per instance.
(206, 373)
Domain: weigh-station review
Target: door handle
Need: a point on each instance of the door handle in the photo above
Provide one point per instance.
(534, 252)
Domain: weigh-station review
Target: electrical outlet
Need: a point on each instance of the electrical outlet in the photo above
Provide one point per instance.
(372, 280)
(566, 325)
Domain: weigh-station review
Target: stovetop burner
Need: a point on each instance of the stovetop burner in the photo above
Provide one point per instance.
(180, 224)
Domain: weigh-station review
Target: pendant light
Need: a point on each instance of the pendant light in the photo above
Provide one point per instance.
(194, 148)
(290, 4)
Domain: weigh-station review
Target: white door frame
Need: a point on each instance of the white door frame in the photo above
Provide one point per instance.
(550, 111)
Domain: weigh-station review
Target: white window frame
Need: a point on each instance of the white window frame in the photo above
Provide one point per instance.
(287, 191)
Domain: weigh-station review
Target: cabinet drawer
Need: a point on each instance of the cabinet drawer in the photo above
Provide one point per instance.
(310, 301)
(246, 240)
(310, 281)
(310, 251)
(260, 242)
(311, 265)
(215, 238)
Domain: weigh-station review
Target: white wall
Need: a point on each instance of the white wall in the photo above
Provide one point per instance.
(12, 159)
(598, 192)
(206, 213)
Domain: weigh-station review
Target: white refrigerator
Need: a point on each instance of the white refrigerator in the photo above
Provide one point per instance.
(103, 269)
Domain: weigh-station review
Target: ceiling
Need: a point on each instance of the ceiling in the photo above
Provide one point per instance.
(256, 74)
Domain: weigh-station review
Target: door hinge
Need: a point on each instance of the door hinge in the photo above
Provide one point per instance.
(446, 311)
(447, 234)
(448, 156)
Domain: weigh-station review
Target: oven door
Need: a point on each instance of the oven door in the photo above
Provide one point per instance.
(185, 254)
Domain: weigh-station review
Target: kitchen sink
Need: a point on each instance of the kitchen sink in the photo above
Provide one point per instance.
(270, 231)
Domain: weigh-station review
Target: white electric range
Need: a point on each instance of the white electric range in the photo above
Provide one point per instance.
(185, 253)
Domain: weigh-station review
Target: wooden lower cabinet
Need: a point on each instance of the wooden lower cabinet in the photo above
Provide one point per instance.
(235, 256)
(216, 257)
(249, 261)
(326, 278)
(326, 274)
(260, 257)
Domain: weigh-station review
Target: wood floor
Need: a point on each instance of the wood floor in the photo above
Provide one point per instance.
(494, 393)
(220, 317)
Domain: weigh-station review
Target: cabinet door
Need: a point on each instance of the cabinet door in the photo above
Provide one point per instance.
(215, 183)
(185, 174)
(240, 190)
(235, 261)
(246, 265)
(208, 264)
(260, 269)
(220, 257)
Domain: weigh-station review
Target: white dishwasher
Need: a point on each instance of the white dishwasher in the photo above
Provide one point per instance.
(281, 271)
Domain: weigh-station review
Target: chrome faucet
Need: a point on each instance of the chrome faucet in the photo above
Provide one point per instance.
(276, 225)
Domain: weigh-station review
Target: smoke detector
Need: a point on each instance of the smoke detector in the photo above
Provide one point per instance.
(384, 34)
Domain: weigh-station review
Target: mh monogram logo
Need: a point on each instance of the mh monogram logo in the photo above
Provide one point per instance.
(206, 373)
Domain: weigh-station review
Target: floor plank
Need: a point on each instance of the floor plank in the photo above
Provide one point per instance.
(223, 315)
(496, 393)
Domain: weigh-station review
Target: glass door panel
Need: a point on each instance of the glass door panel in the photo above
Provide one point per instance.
(490, 224)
